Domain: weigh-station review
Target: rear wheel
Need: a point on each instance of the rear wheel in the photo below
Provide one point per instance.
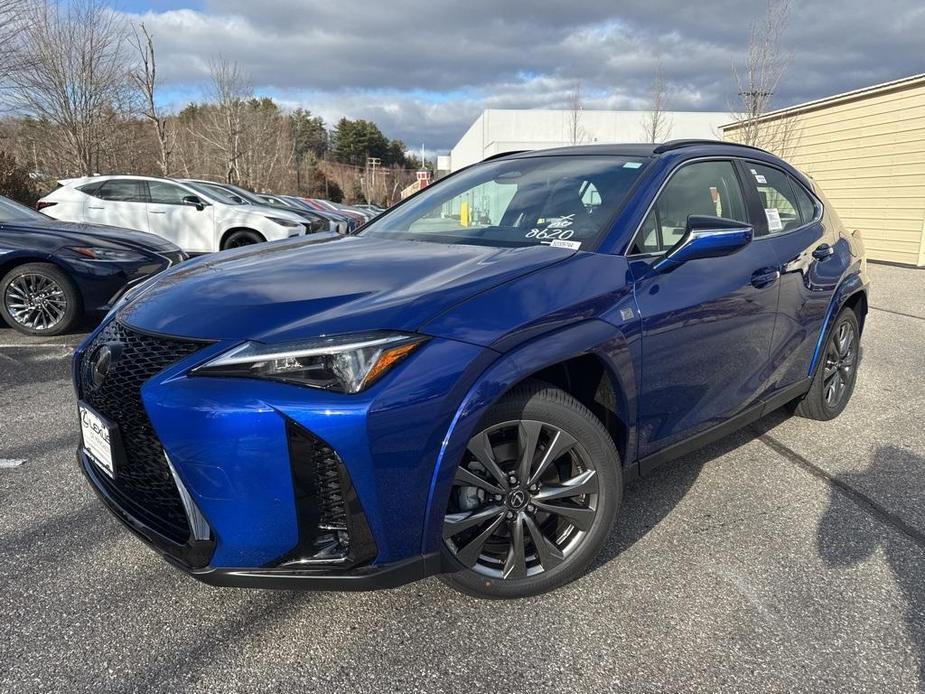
(836, 374)
(242, 237)
(39, 299)
(534, 497)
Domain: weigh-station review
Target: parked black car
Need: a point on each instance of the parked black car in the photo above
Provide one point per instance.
(55, 272)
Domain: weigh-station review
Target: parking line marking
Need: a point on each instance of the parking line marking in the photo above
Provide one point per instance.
(11, 462)
(898, 313)
(865, 503)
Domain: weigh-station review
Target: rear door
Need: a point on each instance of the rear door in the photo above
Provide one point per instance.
(119, 202)
(188, 226)
(706, 325)
(791, 223)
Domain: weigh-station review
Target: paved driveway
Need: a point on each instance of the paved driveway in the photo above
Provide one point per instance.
(788, 557)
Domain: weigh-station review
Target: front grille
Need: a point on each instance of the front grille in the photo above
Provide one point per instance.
(143, 478)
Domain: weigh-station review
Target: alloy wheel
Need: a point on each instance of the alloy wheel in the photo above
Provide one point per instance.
(523, 500)
(840, 361)
(35, 301)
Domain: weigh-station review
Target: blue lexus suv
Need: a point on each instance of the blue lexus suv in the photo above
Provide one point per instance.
(464, 386)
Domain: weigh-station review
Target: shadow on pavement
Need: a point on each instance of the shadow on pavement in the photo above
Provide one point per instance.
(648, 500)
(903, 469)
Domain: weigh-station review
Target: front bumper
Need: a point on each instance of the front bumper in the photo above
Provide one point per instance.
(229, 444)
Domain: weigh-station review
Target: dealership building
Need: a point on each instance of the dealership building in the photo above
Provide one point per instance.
(865, 149)
(506, 130)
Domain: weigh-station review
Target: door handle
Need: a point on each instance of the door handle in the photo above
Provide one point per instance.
(95, 207)
(823, 251)
(156, 212)
(765, 277)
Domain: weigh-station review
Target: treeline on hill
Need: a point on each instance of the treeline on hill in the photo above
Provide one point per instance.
(82, 96)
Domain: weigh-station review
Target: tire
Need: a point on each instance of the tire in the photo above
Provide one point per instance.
(39, 299)
(571, 445)
(837, 380)
(241, 238)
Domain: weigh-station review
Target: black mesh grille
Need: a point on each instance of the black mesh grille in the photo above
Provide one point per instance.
(330, 490)
(142, 475)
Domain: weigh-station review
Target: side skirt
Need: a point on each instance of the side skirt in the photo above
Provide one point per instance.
(750, 414)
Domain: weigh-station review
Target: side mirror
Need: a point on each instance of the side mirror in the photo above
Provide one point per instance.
(706, 237)
(194, 201)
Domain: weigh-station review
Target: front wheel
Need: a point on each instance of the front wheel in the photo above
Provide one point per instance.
(241, 238)
(534, 497)
(39, 299)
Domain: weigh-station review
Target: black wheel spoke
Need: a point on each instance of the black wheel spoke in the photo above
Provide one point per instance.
(465, 477)
(480, 447)
(528, 435)
(580, 516)
(469, 554)
(515, 566)
(581, 484)
(455, 523)
(549, 555)
(559, 445)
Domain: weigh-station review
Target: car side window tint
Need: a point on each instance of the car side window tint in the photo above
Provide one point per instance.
(709, 188)
(807, 206)
(90, 188)
(122, 190)
(777, 197)
(164, 193)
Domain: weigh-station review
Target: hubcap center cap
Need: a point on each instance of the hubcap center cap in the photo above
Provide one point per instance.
(517, 499)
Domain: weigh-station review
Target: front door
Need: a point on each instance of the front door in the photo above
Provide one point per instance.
(706, 325)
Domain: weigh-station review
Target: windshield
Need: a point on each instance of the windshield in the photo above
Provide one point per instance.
(12, 211)
(565, 201)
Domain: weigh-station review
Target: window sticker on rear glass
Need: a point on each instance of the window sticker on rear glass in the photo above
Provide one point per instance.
(760, 178)
(774, 223)
(632, 165)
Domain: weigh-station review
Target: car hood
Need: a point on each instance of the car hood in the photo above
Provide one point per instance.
(89, 234)
(296, 289)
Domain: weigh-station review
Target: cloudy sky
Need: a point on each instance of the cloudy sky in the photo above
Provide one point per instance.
(424, 70)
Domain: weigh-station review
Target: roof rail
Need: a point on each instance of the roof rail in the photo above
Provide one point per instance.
(678, 144)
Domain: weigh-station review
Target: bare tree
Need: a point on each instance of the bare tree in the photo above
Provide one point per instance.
(11, 16)
(757, 80)
(144, 78)
(656, 123)
(576, 133)
(223, 128)
(73, 74)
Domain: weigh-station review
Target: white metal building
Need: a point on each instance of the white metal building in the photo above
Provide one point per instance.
(499, 130)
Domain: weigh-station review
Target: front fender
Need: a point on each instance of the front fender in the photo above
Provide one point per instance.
(589, 337)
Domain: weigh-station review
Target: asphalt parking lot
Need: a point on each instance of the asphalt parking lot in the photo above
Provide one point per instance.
(789, 557)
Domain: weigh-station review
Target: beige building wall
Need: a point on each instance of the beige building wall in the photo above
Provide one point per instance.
(866, 151)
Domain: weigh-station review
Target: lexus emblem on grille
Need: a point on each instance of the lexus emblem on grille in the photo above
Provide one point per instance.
(100, 364)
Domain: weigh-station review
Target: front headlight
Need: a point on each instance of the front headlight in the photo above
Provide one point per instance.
(341, 363)
(284, 222)
(110, 254)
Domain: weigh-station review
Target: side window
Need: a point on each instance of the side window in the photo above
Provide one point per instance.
(808, 206)
(122, 190)
(707, 188)
(777, 197)
(90, 188)
(166, 193)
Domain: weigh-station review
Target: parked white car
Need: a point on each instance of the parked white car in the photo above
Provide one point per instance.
(196, 218)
